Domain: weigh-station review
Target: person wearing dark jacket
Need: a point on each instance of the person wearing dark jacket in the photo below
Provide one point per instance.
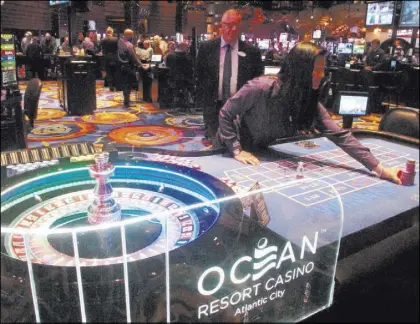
(129, 63)
(269, 108)
(375, 57)
(109, 47)
(34, 53)
(223, 66)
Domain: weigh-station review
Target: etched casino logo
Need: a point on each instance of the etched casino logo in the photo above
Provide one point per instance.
(264, 259)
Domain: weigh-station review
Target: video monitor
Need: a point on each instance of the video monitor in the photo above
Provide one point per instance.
(380, 13)
(409, 14)
(317, 34)
(271, 70)
(345, 48)
(264, 44)
(353, 103)
(156, 58)
(58, 2)
(358, 49)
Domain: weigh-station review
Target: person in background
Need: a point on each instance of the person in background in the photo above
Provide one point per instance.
(272, 107)
(88, 46)
(65, 47)
(163, 45)
(270, 52)
(156, 45)
(79, 40)
(223, 66)
(375, 57)
(109, 47)
(181, 69)
(129, 63)
(48, 45)
(144, 52)
(26, 41)
(34, 53)
(171, 49)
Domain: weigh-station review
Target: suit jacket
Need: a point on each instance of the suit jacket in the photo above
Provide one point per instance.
(207, 69)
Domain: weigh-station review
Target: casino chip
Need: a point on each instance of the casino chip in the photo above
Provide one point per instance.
(173, 160)
(307, 144)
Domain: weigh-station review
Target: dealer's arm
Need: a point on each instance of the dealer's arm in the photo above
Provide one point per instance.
(349, 144)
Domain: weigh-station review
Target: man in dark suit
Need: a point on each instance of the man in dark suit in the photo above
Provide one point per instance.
(375, 57)
(109, 47)
(219, 76)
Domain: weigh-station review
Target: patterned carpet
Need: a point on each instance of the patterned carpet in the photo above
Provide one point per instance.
(142, 125)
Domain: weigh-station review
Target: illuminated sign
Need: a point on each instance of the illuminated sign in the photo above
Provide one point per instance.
(260, 290)
(8, 61)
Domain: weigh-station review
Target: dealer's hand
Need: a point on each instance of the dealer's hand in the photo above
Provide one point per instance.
(369, 68)
(246, 158)
(390, 174)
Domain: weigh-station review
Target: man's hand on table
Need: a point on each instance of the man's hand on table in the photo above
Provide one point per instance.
(390, 174)
(369, 68)
(246, 158)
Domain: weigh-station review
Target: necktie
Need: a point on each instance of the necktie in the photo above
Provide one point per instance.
(227, 73)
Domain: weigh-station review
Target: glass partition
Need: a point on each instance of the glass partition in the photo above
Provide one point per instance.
(77, 246)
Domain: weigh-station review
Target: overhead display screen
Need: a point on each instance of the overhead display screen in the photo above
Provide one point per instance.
(409, 14)
(380, 13)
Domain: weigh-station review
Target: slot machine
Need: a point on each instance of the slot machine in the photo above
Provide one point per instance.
(12, 119)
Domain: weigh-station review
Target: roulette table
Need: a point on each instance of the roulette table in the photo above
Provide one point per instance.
(201, 236)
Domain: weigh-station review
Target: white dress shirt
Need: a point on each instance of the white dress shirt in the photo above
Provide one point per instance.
(234, 76)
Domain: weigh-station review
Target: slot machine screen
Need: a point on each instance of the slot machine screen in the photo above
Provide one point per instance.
(345, 48)
(358, 49)
(8, 61)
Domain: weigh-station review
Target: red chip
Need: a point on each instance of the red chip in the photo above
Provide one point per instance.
(196, 166)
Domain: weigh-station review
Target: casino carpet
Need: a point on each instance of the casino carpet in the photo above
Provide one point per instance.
(142, 125)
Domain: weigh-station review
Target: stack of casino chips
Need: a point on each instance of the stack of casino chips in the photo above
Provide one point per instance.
(14, 170)
(172, 159)
(407, 176)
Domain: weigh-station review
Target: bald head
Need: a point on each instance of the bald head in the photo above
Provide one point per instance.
(232, 14)
(231, 25)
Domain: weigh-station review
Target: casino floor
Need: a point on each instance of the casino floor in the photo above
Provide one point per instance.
(385, 289)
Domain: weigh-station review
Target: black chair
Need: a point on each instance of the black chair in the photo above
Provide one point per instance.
(368, 84)
(347, 80)
(392, 83)
(31, 100)
(402, 121)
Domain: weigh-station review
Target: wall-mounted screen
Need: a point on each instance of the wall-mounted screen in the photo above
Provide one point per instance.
(380, 13)
(345, 48)
(409, 14)
(358, 49)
